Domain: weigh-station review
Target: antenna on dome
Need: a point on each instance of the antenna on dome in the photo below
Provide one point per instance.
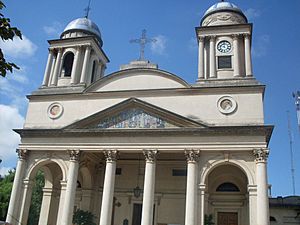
(87, 10)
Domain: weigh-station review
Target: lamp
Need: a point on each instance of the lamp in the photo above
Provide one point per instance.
(137, 190)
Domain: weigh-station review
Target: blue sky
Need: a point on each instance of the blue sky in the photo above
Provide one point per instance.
(275, 50)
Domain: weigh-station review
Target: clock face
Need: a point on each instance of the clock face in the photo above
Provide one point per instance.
(224, 46)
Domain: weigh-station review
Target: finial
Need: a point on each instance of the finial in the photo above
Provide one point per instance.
(87, 10)
(142, 42)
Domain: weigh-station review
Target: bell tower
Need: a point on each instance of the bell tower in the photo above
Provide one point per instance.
(224, 41)
(76, 59)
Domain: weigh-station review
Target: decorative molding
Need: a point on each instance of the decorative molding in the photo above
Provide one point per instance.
(246, 35)
(261, 154)
(212, 38)
(22, 153)
(235, 36)
(227, 105)
(201, 38)
(192, 156)
(74, 155)
(55, 110)
(228, 18)
(111, 155)
(150, 155)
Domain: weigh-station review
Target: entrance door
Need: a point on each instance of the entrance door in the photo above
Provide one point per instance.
(227, 218)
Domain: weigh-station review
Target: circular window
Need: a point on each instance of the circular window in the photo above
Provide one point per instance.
(55, 110)
(227, 105)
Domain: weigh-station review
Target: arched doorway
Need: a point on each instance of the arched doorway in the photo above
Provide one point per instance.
(227, 196)
(47, 197)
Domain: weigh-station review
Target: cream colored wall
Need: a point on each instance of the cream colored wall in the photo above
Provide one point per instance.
(202, 107)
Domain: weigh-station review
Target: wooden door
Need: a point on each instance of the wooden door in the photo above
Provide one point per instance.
(227, 218)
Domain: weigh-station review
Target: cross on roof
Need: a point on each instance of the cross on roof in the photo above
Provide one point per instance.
(142, 42)
(87, 9)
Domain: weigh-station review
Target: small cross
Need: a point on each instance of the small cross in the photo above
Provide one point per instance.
(142, 42)
(87, 9)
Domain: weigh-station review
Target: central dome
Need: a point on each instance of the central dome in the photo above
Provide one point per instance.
(84, 25)
(222, 11)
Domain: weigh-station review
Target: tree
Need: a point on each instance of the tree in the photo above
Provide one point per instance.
(36, 199)
(81, 217)
(7, 32)
(5, 189)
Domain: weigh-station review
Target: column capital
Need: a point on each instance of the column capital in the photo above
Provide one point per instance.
(212, 37)
(235, 36)
(192, 156)
(111, 155)
(22, 153)
(74, 155)
(201, 38)
(246, 35)
(150, 155)
(261, 154)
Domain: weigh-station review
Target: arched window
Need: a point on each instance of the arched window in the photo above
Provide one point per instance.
(227, 187)
(93, 78)
(68, 64)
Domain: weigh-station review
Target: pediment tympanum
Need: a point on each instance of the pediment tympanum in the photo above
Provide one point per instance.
(133, 118)
(134, 114)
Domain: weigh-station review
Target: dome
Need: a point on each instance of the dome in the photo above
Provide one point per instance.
(85, 25)
(225, 7)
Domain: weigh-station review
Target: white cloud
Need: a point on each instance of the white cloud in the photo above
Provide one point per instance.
(18, 48)
(159, 47)
(12, 88)
(4, 170)
(252, 13)
(55, 29)
(260, 46)
(9, 140)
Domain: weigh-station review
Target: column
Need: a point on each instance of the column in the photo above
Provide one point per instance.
(192, 157)
(48, 68)
(201, 58)
(61, 200)
(261, 156)
(149, 187)
(108, 187)
(67, 214)
(56, 68)
(45, 207)
(202, 189)
(252, 204)
(248, 61)
(16, 189)
(75, 66)
(99, 69)
(25, 203)
(236, 57)
(212, 57)
(85, 64)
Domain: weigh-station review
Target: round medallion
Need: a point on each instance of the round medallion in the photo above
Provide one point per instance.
(224, 46)
(227, 105)
(55, 110)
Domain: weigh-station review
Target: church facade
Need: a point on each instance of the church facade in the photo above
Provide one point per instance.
(141, 145)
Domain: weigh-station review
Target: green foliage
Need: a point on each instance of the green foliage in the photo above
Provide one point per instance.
(5, 189)
(7, 32)
(81, 217)
(36, 199)
(208, 220)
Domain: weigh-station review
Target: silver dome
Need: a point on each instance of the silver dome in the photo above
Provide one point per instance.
(221, 7)
(85, 25)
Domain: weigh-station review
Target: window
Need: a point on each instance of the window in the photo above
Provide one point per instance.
(93, 78)
(228, 187)
(68, 64)
(179, 172)
(224, 62)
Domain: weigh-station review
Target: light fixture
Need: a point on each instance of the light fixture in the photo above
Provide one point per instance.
(137, 190)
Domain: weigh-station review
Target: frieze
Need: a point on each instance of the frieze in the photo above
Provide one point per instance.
(223, 18)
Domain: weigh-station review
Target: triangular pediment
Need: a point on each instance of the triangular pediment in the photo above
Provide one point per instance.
(134, 114)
